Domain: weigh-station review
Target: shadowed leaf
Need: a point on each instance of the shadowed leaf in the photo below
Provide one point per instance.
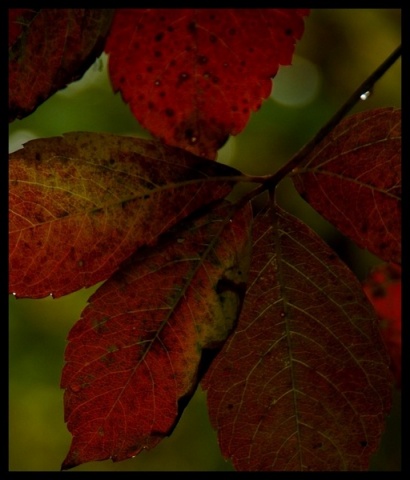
(81, 204)
(133, 358)
(353, 178)
(193, 76)
(49, 48)
(303, 383)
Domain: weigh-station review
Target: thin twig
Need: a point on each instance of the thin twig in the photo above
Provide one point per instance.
(366, 86)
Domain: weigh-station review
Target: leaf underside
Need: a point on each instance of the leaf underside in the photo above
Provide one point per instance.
(303, 383)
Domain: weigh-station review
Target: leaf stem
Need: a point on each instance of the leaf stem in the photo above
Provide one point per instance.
(366, 86)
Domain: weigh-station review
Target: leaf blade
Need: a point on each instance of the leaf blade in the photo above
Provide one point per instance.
(303, 382)
(353, 179)
(132, 360)
(193, 76)
(81, 204)
(48, 49)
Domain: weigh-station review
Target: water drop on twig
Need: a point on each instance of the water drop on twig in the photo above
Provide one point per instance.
(364, 96)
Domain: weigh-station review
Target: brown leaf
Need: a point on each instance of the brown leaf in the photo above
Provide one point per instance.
(133, 358)
(353, 179)
(49, 48)
(81, 204)
(303, 382)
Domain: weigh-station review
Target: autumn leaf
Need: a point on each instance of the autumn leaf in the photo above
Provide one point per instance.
(133, 358)
(353, 178)
(193, 76)
(303, 381)
(383, 288)
(81, 204)
(49, 48)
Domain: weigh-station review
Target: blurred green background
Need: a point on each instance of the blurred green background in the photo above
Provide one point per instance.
(339, 49)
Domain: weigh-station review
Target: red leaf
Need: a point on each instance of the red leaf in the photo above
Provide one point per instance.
(133, 358)
(383, 288)
(353, 178)
(49, 48)
(193, 76)
(81, 204)
(303, 383)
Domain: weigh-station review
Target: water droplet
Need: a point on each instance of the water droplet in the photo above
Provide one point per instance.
(14, 293)
(51, 294)
(157, 83)
(193, 140)
(282, 314)
(364, 96)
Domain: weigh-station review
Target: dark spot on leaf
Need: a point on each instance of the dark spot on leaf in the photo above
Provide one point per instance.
(378, 291)
(232, 31)
(170, 28)
(149, 68)
(229, 406)
(141, 96)
(162, 94)
(251, 49)
(202, 59)
(172, 63)
(215, 79)
(245, 110)
(191, 27)
(288, 31)
(318, 445)
(190, 135)
(38, 156)
(234, 108)
(159, 36)
(157, 54)
(169, 112)
(111, 161)
(183, 77)
(213, 38)
(363, 443)
(151, 105)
